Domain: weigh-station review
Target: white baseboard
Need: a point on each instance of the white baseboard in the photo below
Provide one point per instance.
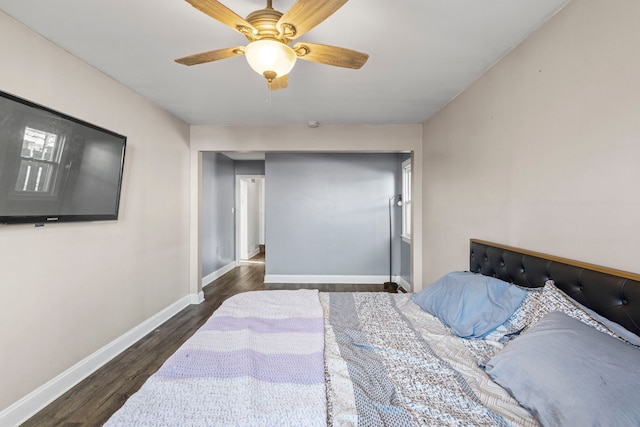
(254, 253)
(406, 285)
(33, 402)
(350, 280)
(217, 274)
(196, 298)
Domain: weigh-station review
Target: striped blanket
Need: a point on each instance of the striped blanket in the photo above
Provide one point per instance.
(258, 361)
(300, 358)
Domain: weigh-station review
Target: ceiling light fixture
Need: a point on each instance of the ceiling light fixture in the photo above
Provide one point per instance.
(270, 32)
(270, 58)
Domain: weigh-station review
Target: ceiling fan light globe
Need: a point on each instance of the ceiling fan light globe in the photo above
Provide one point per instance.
(270, 56)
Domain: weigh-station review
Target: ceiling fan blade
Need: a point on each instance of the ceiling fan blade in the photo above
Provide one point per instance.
(279, 83)
(222, 13)
(214, 55)
(306, 14)
(330, 55)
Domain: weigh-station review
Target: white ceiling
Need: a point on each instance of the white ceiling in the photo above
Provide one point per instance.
(422, 54)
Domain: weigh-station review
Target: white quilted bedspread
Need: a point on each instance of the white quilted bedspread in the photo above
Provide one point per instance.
(258, 361)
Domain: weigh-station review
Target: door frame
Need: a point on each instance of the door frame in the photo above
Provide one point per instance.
(238, 217)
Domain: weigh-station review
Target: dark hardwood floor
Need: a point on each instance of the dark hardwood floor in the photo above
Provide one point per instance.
(95, 399)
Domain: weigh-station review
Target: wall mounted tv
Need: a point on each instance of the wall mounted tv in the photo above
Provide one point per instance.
(55, 168)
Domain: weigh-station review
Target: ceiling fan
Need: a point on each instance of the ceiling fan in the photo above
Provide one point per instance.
(270, 32)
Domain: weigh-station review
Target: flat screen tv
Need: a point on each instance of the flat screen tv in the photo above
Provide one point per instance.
(56, 168)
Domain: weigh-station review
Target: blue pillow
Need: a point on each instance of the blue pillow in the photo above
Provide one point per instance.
(471, 304)
(567, 373)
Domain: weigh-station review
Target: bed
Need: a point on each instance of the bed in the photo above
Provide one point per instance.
(518, 339)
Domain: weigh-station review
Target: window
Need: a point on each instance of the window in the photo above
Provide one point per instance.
(39, 161)
(406, 200)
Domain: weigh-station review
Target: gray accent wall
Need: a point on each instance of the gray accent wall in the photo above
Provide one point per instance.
(249, 167)
(327, 214)
(218, 222)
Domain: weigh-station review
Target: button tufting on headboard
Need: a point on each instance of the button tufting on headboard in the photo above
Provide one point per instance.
(612, 293)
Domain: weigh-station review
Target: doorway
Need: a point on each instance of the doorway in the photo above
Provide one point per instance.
(250, 218)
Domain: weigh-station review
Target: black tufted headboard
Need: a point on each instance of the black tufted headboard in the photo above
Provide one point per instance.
(612, 293)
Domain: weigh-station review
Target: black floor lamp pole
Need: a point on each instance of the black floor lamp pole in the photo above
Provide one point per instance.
(391, 285)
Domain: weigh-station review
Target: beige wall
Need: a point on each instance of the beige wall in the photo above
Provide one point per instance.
(301, 139)
(543, 151)
(69, 289)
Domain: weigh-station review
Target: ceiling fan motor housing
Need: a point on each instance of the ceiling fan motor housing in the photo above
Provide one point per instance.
(265, 20)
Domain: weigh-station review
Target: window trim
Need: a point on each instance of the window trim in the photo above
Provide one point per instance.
(407, 177)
